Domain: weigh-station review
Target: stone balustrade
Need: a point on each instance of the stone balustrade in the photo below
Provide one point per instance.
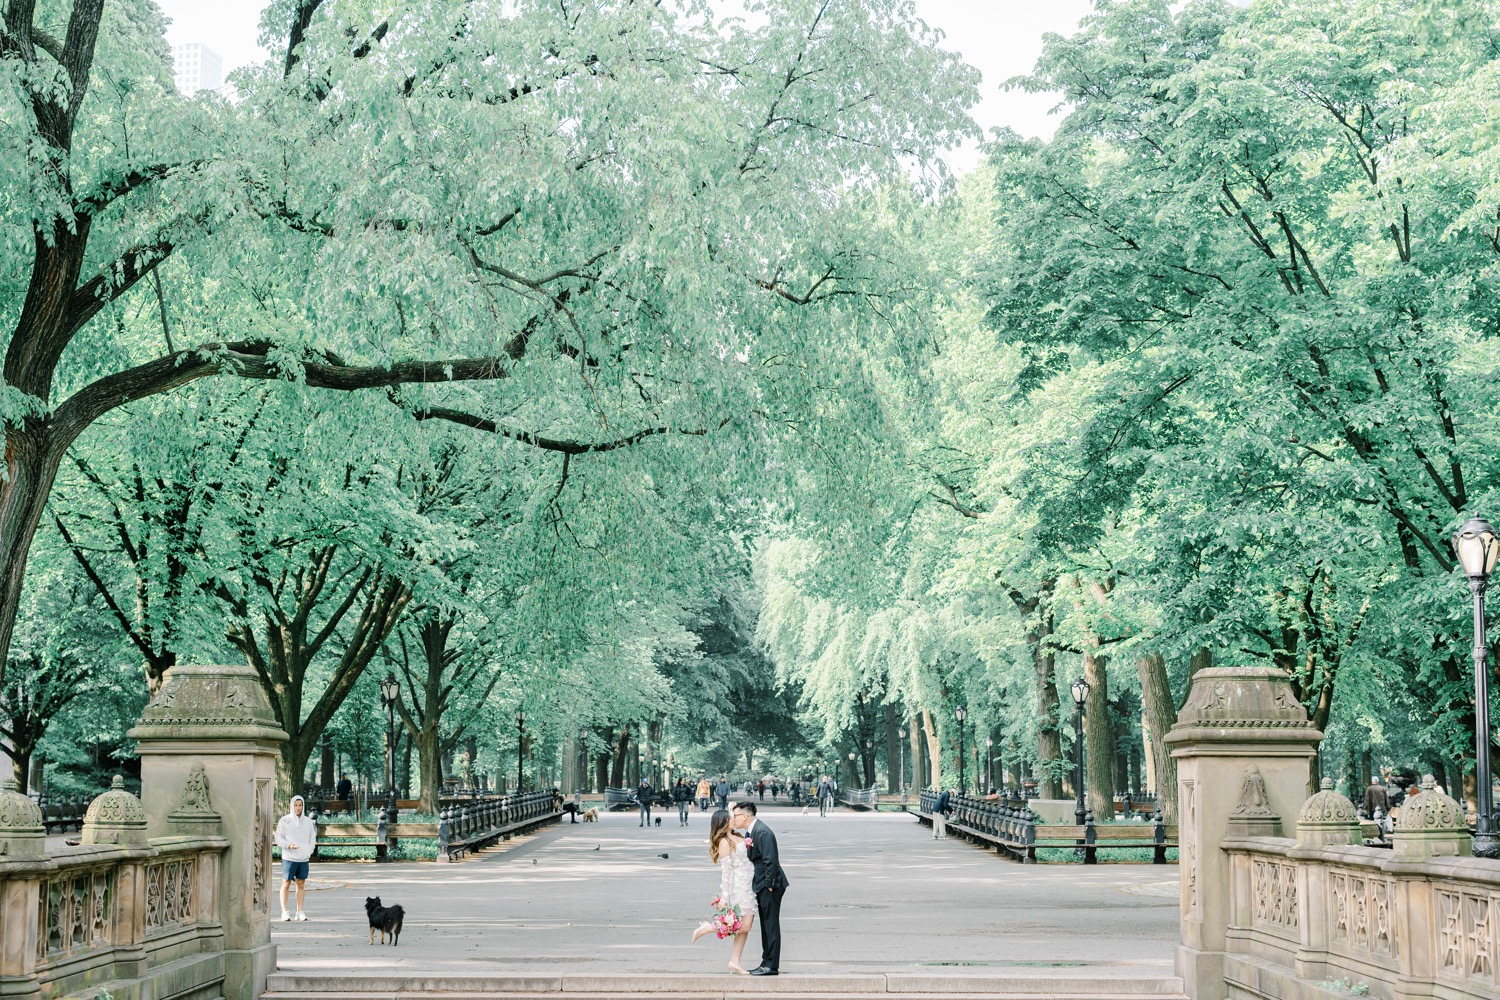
(1418, 919)
(137, 916)
(1318, 914)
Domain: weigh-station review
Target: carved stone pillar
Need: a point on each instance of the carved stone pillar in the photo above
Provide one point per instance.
(1243, 746)
(209, 744)
(23, 861)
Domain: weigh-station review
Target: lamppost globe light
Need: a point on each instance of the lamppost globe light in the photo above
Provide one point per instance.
(960, 713)
(520, 717)
(389, 690)
(989, 742)
(1080, 691)
(1477, 548)
(851, 756)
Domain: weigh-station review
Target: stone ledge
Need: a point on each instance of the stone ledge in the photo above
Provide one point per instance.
(1093, 983)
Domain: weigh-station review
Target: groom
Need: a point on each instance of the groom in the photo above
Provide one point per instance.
(769, 885)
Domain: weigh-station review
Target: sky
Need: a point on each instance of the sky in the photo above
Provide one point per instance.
(1001, 37)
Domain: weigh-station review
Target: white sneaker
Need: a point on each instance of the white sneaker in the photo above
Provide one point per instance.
(285, 915)
(301, 915)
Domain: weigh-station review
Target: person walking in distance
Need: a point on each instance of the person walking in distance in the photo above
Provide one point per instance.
(723, 792)
(297, 836)
(643, 793)
(704, 791)
(769, 885)
(682, 797)
(825, 796)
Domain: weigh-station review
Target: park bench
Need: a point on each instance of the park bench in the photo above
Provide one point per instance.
(862, 798)
(63, 813)
(1012, 828)
(464, 829)
(616, 799)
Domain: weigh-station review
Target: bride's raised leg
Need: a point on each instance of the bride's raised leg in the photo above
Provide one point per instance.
(739, 949)
(702, 929)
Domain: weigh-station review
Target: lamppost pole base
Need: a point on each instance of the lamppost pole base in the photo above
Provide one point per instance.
(1486, 845)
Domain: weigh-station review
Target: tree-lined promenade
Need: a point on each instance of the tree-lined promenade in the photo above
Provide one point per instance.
(634, 387)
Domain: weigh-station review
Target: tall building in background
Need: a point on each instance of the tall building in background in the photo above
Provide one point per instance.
(196, 67)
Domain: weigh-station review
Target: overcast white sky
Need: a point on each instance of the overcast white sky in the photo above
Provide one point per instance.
(1001, 37)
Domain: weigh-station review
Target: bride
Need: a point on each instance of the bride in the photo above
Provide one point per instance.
(727, 850)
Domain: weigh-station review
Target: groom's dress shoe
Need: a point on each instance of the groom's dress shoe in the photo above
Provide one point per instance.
(763, 971)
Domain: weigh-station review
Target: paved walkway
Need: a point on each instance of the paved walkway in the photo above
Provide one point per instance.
(869, 893)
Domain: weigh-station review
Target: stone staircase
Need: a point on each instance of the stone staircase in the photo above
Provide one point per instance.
(1103, 982)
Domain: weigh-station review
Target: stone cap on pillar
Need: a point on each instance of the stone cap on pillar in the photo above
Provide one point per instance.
(1243, 705)
(116, 817)
(209, 702)
(1431, 825)
(22, 834)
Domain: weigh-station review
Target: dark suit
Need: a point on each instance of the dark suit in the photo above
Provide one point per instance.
(769, 885)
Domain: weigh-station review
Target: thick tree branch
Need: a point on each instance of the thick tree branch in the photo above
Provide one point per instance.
(251, 359)
(548, 443)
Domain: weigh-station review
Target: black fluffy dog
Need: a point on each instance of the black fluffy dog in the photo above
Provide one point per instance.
(385, 919)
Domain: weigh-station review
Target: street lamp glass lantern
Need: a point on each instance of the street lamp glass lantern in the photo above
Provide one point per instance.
(851, 756)
(1080, 692)
(1477, 548)
(520, 718)
(989, 741)
(960, 713)
(389, 690)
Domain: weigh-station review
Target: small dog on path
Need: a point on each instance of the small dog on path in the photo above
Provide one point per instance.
(591, 815)
(385, 919)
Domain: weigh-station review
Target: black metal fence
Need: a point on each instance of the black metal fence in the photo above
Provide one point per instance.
(1008, 824)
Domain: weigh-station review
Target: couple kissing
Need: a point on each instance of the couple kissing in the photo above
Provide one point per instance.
(751, 884)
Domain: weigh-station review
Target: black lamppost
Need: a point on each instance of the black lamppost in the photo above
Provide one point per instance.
(960, 713)
(390, 691)
(1477, 547)
(989, 764)
(583, 741)
(870, 758)
(1080, 695)
(520, 751)
(853, 776)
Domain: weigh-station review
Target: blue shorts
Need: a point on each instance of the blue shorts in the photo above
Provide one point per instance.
(294, 871)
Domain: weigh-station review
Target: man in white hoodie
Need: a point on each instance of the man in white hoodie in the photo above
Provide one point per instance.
(297, 836)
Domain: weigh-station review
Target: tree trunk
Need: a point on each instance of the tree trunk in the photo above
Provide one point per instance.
(430, 765)
(1048, 736)
(1098, 742)
(892, 749)
(914, 754)
(1159, 712)
(622, 745)
(934, 751)
(32, 455)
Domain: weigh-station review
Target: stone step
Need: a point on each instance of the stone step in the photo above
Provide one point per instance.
(1091, 983)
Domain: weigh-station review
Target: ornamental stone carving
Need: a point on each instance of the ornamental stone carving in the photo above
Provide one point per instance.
(1244, 698)
(195, 812)
(21, 831)
(116, 817)
(208, 701)
(1253, 815)
(1431, 825)
(1328, 819)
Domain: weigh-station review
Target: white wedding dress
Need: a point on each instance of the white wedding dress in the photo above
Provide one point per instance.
(736, 873)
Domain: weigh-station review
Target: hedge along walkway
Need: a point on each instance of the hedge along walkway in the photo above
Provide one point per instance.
(870, 892)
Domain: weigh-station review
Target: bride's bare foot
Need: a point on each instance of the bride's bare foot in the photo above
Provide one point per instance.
(702, 930)
(738, 970)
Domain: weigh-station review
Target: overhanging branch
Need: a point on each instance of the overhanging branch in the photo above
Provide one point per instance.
(545, 443)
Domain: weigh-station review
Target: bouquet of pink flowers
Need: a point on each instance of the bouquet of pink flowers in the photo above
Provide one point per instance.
(726, 921)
